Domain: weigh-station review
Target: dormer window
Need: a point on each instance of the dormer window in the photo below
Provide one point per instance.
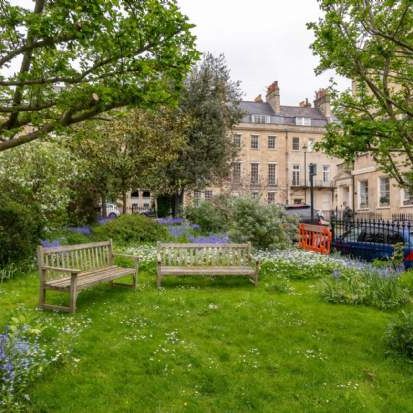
(303, 121)
(260, 119)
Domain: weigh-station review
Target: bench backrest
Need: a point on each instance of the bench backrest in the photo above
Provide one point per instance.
(204, 254)
(80, 256)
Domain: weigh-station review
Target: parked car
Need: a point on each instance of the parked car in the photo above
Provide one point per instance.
(112, 210)
(375, 241)
(303, 213)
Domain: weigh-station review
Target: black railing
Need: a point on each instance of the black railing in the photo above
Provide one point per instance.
(371, 239)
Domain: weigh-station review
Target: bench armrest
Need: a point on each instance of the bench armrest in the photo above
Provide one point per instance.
(134, 257)
(61, 269)
(158, 258)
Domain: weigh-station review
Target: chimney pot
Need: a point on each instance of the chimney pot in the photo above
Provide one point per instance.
(322, 102)
(258, 99)
(273, 96)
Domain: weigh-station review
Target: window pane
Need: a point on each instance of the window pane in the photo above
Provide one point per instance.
(384, 199)
(326, 173)
(272, 179)
(237, 140)
(254, 141)
(407, 196)
(364, 194)
(236, 172)
(271, 142)
(296, 144)
(296, 175)
(254, 173)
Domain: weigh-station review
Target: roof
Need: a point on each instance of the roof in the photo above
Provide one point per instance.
(298, 111)
(287, 114)
(257, 108)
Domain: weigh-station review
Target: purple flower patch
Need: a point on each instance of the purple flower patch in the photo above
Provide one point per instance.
(102, 221)
(210, 239)
(81, 230)
(49, 244)
(170, 221)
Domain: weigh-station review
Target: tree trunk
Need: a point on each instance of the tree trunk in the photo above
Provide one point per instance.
(104, 206)
(124, 209)
(173, 205)
(177, 201)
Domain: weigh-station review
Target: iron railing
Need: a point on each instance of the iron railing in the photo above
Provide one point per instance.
(371, 238)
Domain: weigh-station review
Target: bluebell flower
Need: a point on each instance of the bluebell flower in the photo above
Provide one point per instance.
(48, 244)
(102, 220)
(85, 230)
(210, 239)
(170, 221)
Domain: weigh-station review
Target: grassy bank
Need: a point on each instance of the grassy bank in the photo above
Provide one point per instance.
(202, 345)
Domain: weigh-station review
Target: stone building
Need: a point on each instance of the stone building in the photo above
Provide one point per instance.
(276, 145)
(369, 192)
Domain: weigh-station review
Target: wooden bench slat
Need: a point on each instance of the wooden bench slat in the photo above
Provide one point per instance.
(206, 270)
(95, 262)
(205, 259)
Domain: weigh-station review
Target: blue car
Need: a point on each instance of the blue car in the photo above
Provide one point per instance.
(373, 242)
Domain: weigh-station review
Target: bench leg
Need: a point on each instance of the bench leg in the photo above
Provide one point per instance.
(158, 280)
(135, 280)
(73, 295)
(44, 306)
(133, 285)
(42, 296)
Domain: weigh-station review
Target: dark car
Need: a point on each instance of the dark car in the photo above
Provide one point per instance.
(371, 242)
(303, 213)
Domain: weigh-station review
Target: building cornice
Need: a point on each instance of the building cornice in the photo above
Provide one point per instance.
(271, 127)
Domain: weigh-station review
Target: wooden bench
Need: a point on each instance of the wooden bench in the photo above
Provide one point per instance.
(72, 268)
(206, 259)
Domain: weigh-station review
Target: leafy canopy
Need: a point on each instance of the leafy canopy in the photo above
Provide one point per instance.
(210, 101)
(370, 42)
(69, 60)
(129, 149)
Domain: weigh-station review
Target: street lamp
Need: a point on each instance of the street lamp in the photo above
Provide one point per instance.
(312, 173)
(305, 173)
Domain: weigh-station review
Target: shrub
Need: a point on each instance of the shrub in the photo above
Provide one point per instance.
(131, 228)
(399, 335)
(265, 226)
(208, 216)
(368, 288)
(20, 231)
(245, 220)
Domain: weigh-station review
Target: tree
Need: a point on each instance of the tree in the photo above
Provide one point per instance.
(38, 176)
(81, 58)
(210, 100)
(370, 42)
(128, 150)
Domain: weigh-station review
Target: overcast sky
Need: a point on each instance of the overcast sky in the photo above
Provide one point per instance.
(263, 41)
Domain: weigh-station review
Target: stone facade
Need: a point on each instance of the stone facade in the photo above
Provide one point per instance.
(368, 191)
(276, 148)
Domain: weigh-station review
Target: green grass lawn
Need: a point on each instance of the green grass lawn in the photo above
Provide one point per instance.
(221, 345)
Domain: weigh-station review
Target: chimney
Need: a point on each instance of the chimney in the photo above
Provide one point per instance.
(273, 96)
(305, 103)
(322, 102)
(258, 99)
